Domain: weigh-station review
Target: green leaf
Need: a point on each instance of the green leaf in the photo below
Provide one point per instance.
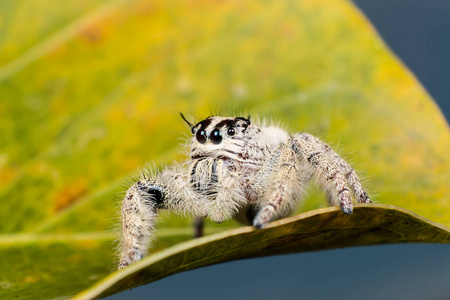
(91, 90)
(321, 229)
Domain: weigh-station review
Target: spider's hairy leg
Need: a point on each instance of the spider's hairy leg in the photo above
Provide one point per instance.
(199, 225)
(168, 190)
(326, 170)
(283, 183)
(346, 169)
(138, 220)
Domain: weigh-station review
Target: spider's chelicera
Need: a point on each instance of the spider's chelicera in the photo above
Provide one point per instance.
(253, 173)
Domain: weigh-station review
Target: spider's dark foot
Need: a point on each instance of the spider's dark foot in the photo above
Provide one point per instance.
(258, 225)
(264, 216)
(364, 198)
(347, 209)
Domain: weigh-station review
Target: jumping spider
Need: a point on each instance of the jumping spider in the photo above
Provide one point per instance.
(256, 174)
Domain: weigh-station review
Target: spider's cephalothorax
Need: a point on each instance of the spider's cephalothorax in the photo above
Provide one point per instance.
(236, 169)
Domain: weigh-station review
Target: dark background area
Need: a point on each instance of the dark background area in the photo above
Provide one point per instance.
(418, 32)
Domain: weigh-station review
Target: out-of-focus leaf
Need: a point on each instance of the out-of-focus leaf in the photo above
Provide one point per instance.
(90, 90)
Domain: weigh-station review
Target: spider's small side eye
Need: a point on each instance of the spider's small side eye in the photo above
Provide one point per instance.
(201, 136)
(215, 136)
(231, 131)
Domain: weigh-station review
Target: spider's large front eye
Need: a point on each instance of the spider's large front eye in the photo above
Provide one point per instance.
(201, 136)
(215, 136)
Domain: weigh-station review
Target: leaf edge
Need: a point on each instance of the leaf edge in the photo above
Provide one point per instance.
(100, 289)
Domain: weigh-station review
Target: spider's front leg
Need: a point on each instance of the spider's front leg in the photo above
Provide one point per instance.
(326, 170)
(293, 164)
(345, 168)
(281, 183)
(168, 190)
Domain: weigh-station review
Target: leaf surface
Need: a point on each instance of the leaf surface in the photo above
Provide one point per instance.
(321, 229)
(91, 90)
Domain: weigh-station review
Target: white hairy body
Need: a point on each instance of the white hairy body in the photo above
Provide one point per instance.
(256, 174)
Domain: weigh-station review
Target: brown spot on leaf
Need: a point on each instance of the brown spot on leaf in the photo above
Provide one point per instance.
(7, 174)
(91, 34)
(145, 9)
(70, 193)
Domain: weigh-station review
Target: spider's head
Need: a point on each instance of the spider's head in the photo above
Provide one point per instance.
(217, 133)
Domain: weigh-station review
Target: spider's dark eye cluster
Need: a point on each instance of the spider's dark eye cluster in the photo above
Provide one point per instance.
(201, 136)
(215, 136)
(228, 127)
